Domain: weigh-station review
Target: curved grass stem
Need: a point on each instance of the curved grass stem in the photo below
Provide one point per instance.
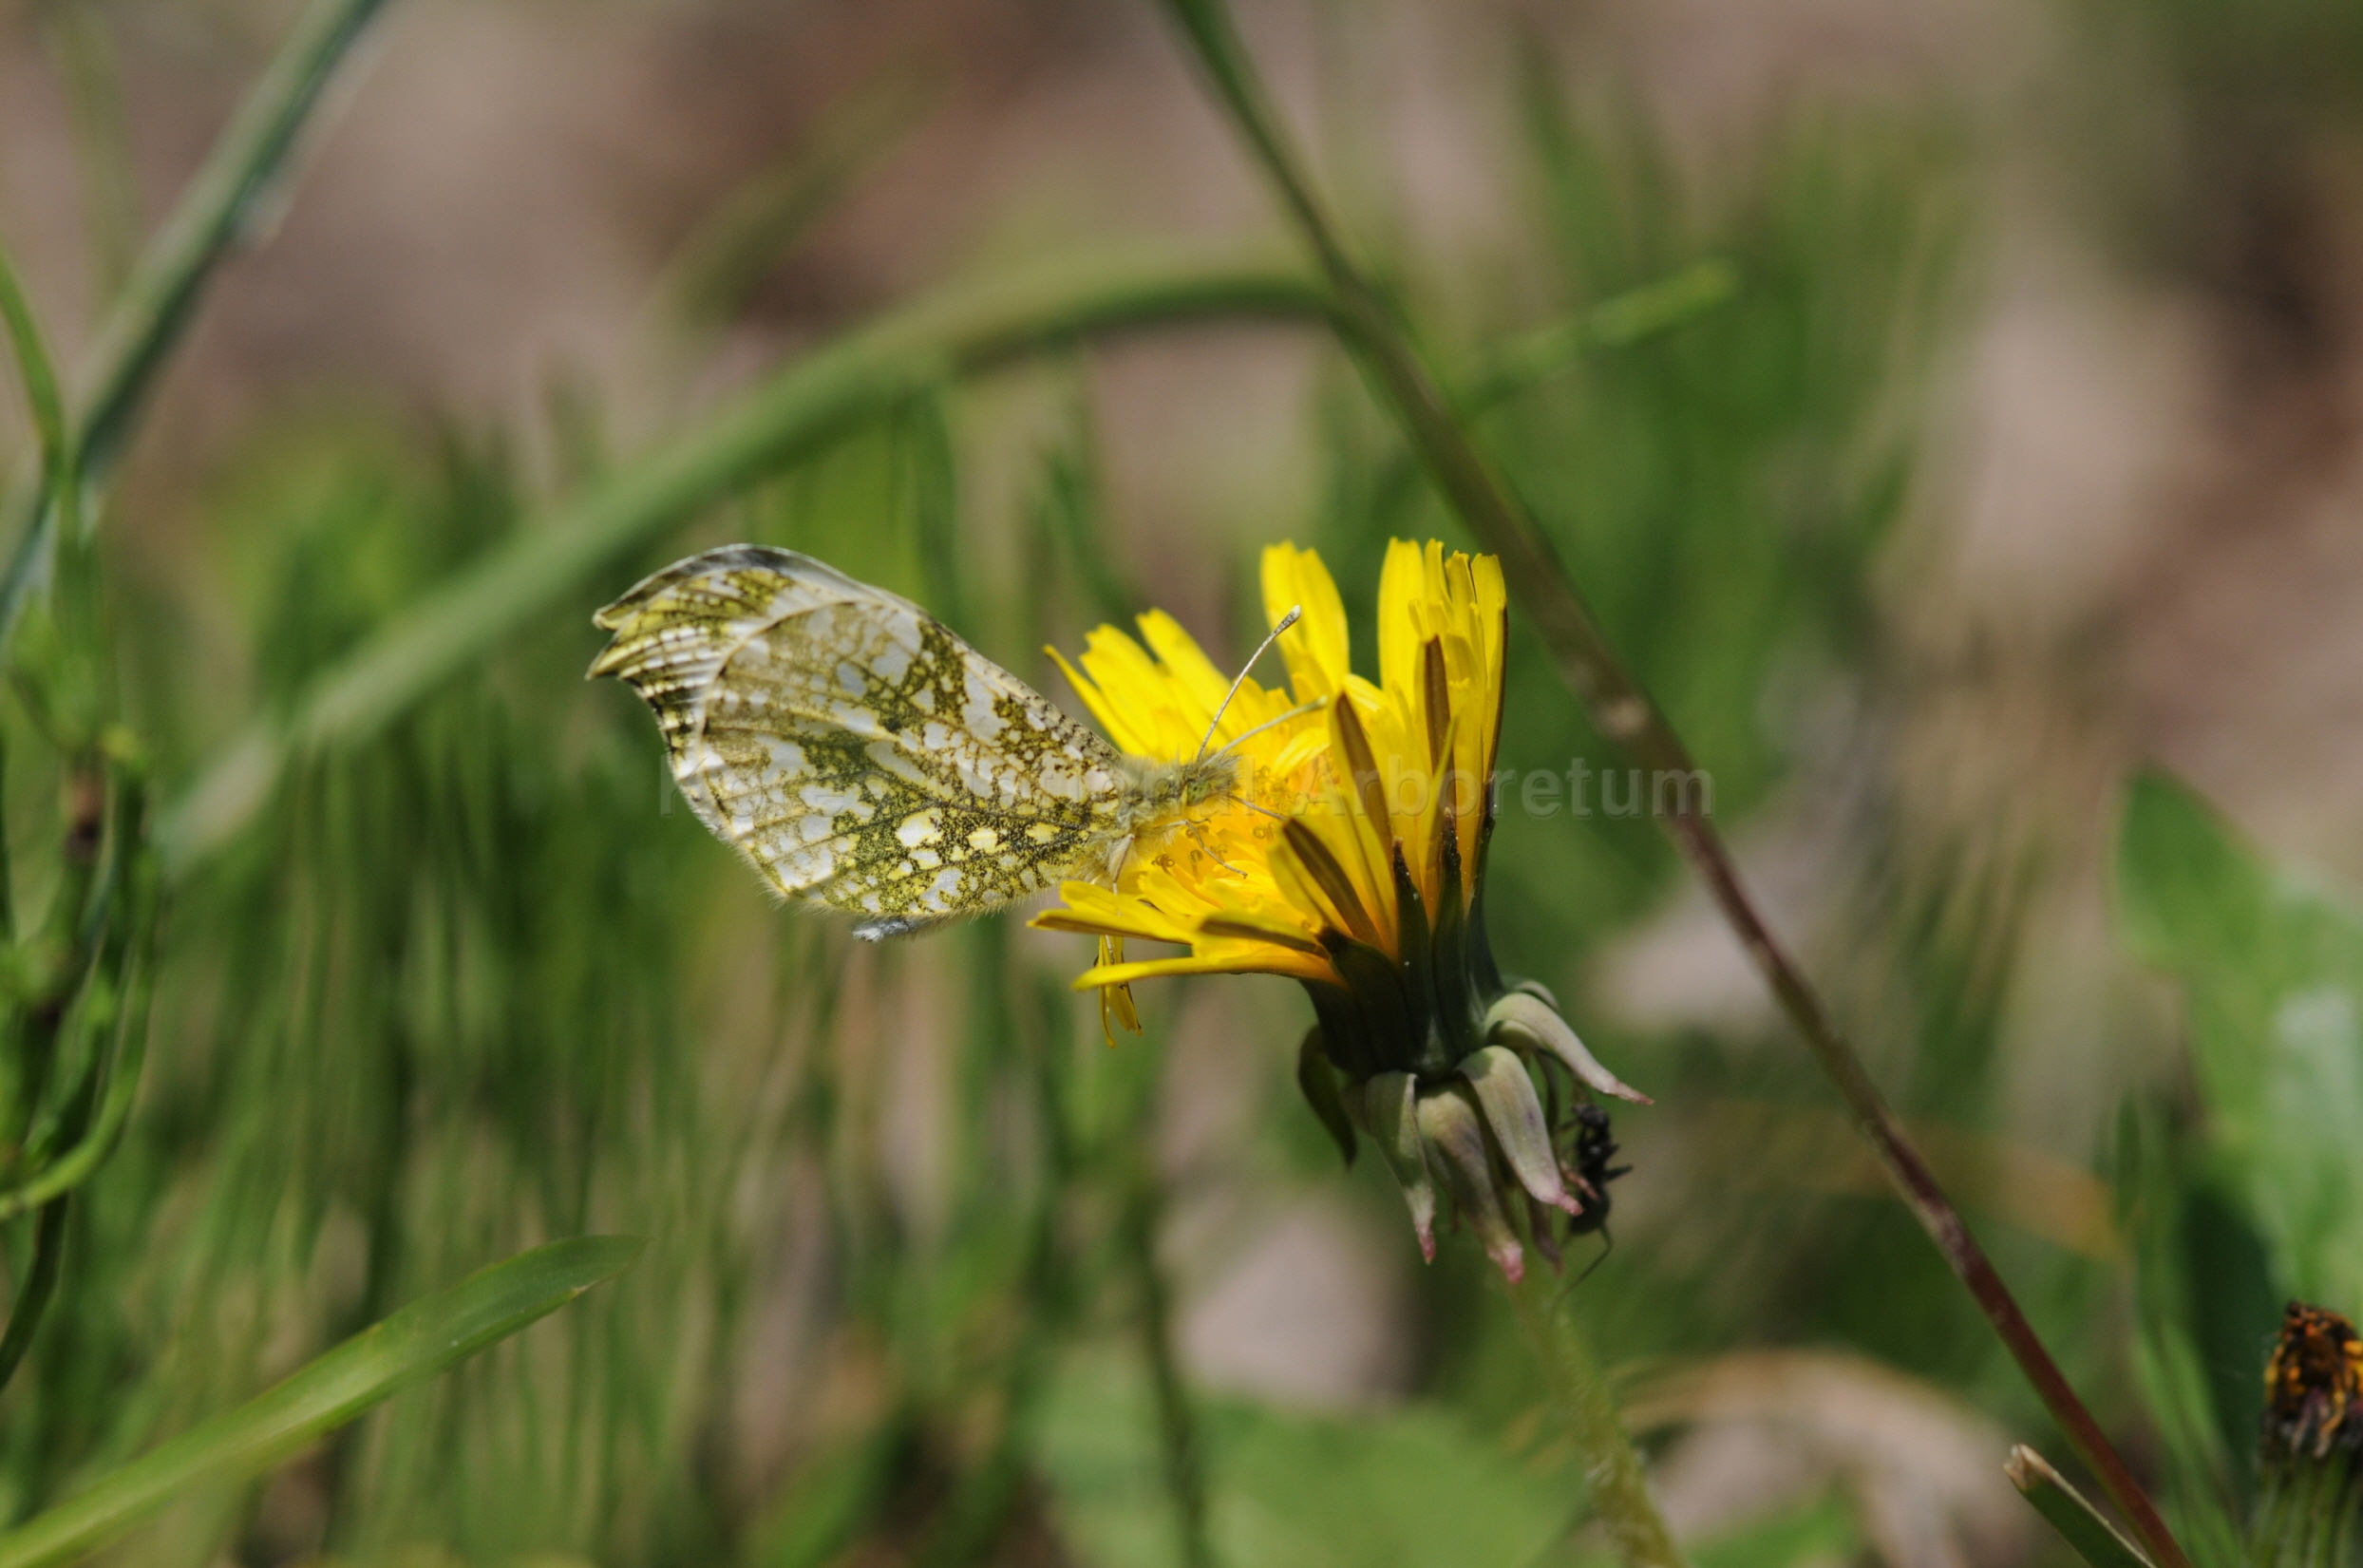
(36, 373)
(93, 1142)
(812, 401)
(159, 299)
(1625, 714)
(32, 1299)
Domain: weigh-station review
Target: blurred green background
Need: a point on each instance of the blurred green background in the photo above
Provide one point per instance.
(1999, 433)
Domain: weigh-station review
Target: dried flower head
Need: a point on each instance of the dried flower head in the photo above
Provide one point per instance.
(2314, 1384)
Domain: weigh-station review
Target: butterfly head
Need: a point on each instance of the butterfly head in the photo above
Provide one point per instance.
(1174, 794)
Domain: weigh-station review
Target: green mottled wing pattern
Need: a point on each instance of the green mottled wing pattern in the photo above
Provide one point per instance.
(851, 746)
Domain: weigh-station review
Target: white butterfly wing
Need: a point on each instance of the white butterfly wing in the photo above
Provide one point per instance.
(851, 746)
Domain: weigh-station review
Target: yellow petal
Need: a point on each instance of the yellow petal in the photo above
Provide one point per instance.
(1366, 697)
(1400, 623)
(1187, 669)
(1321, 874)
(1365, 825)
(1280, 785)
(1492, 617)
(1244, 960)
(1091, 910)
(1143, 710)
(1056, 918)
(1110, 717)
(1248, 927)
(1315, 648)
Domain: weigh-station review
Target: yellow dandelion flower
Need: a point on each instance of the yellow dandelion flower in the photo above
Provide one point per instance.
(1351, 859)
(1250, 893)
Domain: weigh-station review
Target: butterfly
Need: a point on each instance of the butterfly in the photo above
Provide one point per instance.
(859, 754)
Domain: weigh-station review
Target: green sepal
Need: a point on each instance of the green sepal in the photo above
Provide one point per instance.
(1483, 972)
(1394, 1036)
(1455, 1135)
(1460, 1005)
(1520, 1020)
(1318, 1080)
(1415, 959)
(1345, 1036)
(1387, 1103)
(1514, 1112)
(1539, 992)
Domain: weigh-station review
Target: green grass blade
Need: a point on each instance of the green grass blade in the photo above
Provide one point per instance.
(1627, 319)
(1531, 360)
(32, 1301)
(158, 301)
(92, 77)
(423, 1339)
(91, 1145)
(35, 370)
(554, 562)
(2068, 1511)
(213, 212)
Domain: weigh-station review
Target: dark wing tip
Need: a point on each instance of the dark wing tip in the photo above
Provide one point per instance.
(707, 563)
(689, 590)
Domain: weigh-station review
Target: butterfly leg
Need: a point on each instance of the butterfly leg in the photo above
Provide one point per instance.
(1608, 1244)
(1198, 836)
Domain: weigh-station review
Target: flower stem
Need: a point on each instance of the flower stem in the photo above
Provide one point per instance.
(1177, 1424)
(2305, 1515)
(1613, 1471)
(1625, 714)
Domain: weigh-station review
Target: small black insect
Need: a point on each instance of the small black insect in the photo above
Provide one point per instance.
(1595, 1147)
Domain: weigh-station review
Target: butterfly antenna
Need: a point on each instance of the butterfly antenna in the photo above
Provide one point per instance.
(1296, 712)
(1294, 615)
